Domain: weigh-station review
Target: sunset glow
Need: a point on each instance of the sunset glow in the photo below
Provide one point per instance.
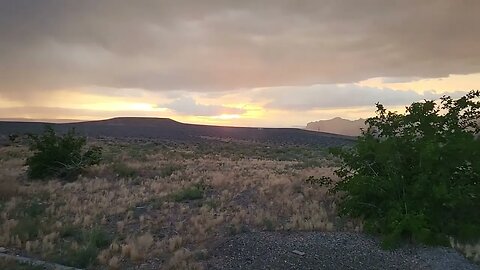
(281, 66)
(239, 134)
(227, 116)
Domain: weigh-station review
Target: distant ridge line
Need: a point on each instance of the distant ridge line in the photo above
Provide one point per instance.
(166, 128)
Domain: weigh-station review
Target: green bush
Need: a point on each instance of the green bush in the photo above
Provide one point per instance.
(191, 193)
(416, 176)
(83, 257)
(64, 156)
(123, 170)
(30, 218)
(91, 243)
(99, 238)
(169, 169)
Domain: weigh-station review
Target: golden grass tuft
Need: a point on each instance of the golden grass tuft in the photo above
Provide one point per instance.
(114, 263)
(139, 247)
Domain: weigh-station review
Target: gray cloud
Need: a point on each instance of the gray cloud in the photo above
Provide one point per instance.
(219, 45)
(49, 113)
(335, 96)
(188, 106)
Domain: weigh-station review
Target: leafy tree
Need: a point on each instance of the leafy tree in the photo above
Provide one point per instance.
(60, 156)
(416, 176)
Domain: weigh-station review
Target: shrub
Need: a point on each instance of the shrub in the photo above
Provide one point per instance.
(321, 181)
(416, 176)
(91, 243)
(169, 169)
(30, 219)
(60, 156)
(124, 170)
(99, 238)
(191, 193)
(82, 257)
(71, 231)
(268, 224)
(233, 229)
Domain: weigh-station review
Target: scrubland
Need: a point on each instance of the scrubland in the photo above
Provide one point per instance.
(163, 204)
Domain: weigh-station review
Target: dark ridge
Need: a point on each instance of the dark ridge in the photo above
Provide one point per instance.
(165, 128)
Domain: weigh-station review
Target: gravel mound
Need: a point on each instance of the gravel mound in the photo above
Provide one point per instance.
(317, 250)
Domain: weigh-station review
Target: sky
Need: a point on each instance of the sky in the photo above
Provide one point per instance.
(270, 63)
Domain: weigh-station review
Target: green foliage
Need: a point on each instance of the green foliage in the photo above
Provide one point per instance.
(233, 229)
(91, 244)
(73, 232)
(416, 176)
(99, 238)
(323, 181)
(83, 257)
(191, 193)
(31, 218)
(123, 170)
(268, 224)
(201, 255)
(169, 169)
(27, 228)
(60, 156)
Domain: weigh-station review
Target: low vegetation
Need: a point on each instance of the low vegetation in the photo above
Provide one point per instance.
(163, 204)
(59, 156)
(174, 200)
(194, 192)
(415, 176)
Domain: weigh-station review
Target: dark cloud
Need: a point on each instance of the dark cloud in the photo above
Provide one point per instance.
(220, 45)
(50, 113)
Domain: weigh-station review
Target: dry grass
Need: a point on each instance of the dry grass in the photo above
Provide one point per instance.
(12, 160)
(138, 207)
(8, 187)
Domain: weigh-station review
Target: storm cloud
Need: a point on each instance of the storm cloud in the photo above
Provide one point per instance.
(223, 45)
(266, 62)
(340, 96)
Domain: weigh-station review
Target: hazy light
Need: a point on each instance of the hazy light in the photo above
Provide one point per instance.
(227, 116)
(451, 83)
(120, 106)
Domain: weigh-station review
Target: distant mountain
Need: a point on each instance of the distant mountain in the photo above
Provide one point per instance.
(338, 126)
(164, 128)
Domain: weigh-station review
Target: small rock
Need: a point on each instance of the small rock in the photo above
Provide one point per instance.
(298, 252)
(3, 250)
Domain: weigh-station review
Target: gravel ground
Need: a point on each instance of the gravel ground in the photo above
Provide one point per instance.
(316, 250)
